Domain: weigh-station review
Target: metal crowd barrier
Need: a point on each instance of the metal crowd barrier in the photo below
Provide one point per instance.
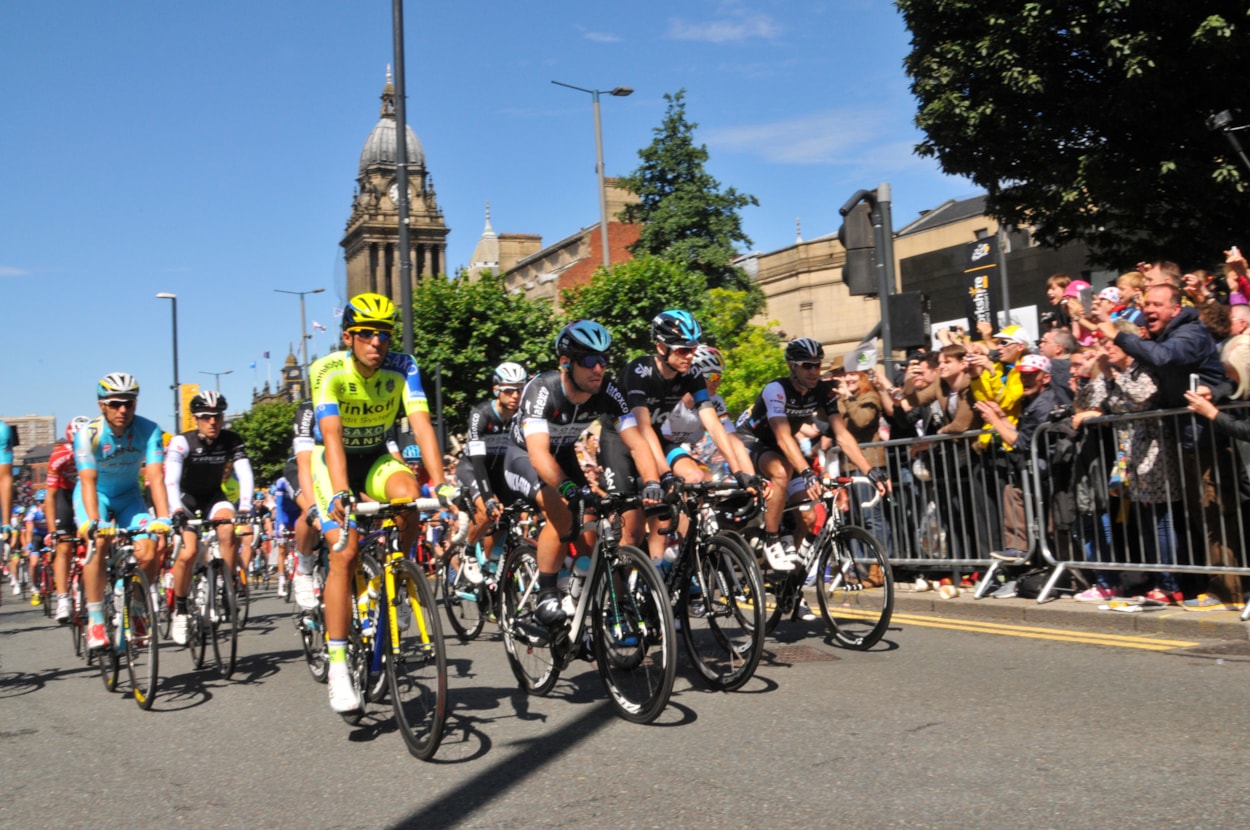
(1190, 520)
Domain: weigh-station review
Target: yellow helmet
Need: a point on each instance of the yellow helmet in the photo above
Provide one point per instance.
(370, 310)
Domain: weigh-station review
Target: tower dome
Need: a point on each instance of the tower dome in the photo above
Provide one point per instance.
(379, 147)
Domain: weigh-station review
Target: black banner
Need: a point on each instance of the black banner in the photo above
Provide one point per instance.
(979, 278)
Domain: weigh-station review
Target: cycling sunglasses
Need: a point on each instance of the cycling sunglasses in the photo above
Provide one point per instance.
(383, 335)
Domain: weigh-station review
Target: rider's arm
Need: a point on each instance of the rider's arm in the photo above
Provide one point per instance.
(644, 457)
(160, 503)
(538, 445)
(173, 472)
(243, 472)
(303, 463)
(475, 444)
(650, 439)
(711, 422)
(87, 480)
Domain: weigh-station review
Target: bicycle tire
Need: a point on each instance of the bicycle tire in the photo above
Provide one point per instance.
(722, 613)
(225, 628)
(47, 590)
(312, 631)
(78, 613)
(467, 616)
(165, 609)
(197, 620)
(106, 657)
(856, 610)
(634, 639)
(357, 668)
(416, 666)
(526, 641)
(142, 642)
(243, 596)
(375, 668)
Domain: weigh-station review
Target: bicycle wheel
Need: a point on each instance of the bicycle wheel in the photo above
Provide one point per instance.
(722, 613)
(416, 662)
(375, 666)
(855, 588)
(198, 626)
(312, 632)
(142, 643)
(106, 657)
(632, 629)
(243, 595)
(526, 641)
(466, 603)
(46, 588)
(165, 607)
(225, 625)
(78, 612)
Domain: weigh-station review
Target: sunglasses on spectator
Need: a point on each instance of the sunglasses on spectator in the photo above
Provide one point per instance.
(118, 403)
(591, 361)
(808, 365)
(382, 335)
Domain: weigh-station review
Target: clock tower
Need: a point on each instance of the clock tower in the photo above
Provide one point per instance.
(370, 243)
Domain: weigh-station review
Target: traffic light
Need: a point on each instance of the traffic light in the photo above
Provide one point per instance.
(856, 235)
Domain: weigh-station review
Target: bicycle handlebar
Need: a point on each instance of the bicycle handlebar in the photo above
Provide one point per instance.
(375, 508)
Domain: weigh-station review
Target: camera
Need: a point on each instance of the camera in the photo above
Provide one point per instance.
(1059, 413)
(1049, 319)
(995, 355)
(1219, 120)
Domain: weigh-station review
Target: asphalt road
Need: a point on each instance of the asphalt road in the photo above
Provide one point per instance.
(934, 728)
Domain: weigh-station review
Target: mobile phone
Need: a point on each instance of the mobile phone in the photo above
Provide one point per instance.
(1193, 383)
(1087, 299)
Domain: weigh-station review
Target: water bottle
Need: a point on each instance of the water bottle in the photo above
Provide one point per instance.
(496, 553)
(581, 568)
(562, 580)
(367, 604)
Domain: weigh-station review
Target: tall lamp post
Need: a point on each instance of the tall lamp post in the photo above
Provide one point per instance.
(619, 92)
(173, 300)
(217, 377)
(303, 332)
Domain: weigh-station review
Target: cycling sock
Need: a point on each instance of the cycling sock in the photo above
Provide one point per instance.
(62, 596)
(180, 605)
(338, 651)
(305, 563)
(548, 583)
(95, 613)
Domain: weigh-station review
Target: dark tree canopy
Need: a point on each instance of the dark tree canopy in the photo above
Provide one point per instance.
(685, 215)
(1087, 118)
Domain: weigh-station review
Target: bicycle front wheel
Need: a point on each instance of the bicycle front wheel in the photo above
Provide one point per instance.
(243, 596)
(465, 602)
(722, 613)
(526, 641)
(78, 613)
(416, 660)
(139, 624)
(225, 627)
(107, 657)
(855, 588)
(632, 630)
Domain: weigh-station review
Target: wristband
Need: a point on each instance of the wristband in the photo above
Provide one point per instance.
(566, 489)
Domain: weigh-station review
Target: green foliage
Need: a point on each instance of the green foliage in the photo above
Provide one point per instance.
(470, 327)
(1087, 119)
(685, 217)
(755, 359)
(727, 314)
(625, 299)
(267, 430)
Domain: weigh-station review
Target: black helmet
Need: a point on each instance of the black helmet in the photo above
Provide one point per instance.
(675, 328)
(208, 401)
(582, 338)
(803, 350)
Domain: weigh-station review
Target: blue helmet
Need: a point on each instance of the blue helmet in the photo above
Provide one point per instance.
(411, 453)
(675, 328)
(582, 338)
(40, 495)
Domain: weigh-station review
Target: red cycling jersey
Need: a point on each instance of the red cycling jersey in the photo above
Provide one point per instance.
(62, 471)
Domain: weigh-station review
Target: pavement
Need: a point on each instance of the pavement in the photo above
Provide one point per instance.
(1066, 613)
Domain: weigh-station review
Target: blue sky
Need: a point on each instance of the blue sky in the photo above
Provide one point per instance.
(210, 150)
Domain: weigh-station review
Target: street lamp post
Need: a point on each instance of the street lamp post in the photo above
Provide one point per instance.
(620, 92)
(217, 377)
(303, 332)
(173, 300)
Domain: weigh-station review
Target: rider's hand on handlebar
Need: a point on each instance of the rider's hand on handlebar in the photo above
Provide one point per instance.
(338, 506)
(811, 483)
(652, 493)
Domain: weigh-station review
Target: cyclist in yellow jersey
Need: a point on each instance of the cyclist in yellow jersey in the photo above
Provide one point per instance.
(356, 394)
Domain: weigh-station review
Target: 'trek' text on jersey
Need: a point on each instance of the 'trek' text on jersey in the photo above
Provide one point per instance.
(366, 407)
(779, 399)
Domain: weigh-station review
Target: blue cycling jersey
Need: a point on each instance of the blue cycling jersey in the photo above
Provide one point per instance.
(6, 443)
(117, 459)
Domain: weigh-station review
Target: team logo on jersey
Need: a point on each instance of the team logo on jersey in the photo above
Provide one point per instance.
(390, 385)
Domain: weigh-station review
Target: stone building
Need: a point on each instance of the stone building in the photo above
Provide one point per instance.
(371, 241)
(290, 387)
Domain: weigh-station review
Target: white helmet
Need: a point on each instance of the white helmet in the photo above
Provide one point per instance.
(510, 374)
(709, 360)
(117, 383)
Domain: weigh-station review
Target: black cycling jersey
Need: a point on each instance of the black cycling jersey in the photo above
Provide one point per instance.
(546, 409)
(305, 428)
(645, 386)
(195, 469)
(487, 445)
(779, 399)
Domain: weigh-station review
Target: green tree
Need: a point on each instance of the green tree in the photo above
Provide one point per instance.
(727, 315)
(755, 359)
(627, 297)
(1087, 119)
(471, 326)
(267, 430)
(684, 214)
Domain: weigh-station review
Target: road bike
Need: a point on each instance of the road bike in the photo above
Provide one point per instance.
(469, 589)
(129, 618)
(77, 596)
(620, 617)
(395, 628)
(212, 611)
(717, 590)
(848, 568)
(45, 584)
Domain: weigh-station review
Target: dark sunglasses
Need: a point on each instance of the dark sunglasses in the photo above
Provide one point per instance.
(591, 361)
(205, 416)
(809, 366)
(382, 335)
(115, 403)
(682, 351)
